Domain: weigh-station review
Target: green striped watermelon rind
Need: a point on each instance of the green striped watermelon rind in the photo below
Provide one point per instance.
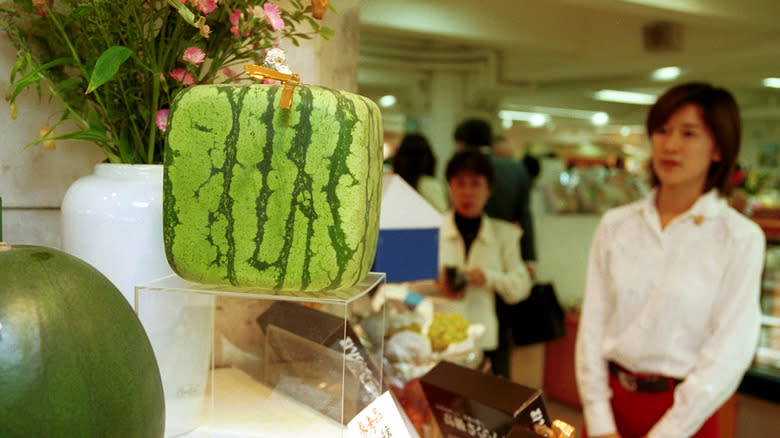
(272, 198)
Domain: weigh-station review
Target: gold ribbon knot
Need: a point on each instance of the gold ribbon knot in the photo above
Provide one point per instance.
(290, 81)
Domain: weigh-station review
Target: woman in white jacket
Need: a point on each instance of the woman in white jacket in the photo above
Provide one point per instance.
(484, 249)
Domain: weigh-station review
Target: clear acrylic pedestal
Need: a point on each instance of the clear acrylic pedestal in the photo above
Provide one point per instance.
(248, 362)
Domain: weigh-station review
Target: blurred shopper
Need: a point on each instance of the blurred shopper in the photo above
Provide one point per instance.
(511, 192)
(670, 319)
(509, 201)
(533, 167)
(484, 250)
(415, 163)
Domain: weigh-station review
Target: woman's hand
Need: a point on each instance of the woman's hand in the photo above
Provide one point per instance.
(444, 286)
(476, 276)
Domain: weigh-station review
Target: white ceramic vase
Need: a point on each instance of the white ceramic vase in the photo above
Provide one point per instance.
(112, 219)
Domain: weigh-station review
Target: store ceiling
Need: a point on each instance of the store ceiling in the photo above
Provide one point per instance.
(524, 54)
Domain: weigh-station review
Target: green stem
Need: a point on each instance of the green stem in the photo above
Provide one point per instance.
(153, 129)
(81, 67)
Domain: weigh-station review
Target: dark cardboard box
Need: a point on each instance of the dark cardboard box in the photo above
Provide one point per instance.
(468, 404)
(521, 432)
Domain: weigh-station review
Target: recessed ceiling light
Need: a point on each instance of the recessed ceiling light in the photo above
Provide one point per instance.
(625, 97)
(387, 101)
(772, 82)
(600, 119)
(666, 73)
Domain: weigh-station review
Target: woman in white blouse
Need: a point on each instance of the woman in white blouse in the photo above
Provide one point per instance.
(671, 316)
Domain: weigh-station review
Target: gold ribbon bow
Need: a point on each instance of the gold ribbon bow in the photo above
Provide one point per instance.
(290, 81)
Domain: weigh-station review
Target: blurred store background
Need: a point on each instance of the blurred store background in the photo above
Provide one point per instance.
(570, 82)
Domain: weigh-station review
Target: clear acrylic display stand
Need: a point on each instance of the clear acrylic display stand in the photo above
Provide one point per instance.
(248, 362)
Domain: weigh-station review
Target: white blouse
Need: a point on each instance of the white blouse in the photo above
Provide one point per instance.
(681, 302)
(496, 250)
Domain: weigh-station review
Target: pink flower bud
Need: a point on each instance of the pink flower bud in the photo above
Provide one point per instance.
(161, 120)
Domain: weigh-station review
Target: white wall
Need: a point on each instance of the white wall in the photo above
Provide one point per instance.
(32, 180)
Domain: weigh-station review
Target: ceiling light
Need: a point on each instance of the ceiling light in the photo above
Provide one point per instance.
(666, 73)
(625, 97)
(527, 113)
(538, 120)
(387, 101)
(600, 119)
(533, 119)
(772, 82)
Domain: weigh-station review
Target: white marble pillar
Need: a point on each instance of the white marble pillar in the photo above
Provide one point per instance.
(333, 62)
(446, 108)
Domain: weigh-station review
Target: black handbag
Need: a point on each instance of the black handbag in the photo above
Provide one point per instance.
(538, 318)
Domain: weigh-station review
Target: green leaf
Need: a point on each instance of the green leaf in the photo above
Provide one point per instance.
(94, 121)
(89, 135)
(186, 13)
(34, 76)
(107, 66)
(327, 32)
(126, 151)
(18, 65)
(68, 84)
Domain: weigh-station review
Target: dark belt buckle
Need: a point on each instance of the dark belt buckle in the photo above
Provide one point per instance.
(627, 381)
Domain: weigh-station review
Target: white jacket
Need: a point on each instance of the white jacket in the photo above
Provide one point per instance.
(496, 250)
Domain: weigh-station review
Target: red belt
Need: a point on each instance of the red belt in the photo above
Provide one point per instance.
(636, 382)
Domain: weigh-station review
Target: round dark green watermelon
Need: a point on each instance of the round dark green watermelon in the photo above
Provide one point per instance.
(74, 358)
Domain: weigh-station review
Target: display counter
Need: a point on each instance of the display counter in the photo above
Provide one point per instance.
(246, 408)
(295, 362)
(763, 378)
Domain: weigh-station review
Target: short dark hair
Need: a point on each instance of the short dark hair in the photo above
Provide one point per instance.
(471, 160)
(720, 113)
(414, 158)
(532, 165)
(474, 133)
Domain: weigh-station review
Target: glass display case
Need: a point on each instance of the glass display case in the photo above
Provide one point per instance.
(244, 362)
(763, 377)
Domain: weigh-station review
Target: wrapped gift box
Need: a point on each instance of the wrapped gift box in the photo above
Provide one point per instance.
(468, 403)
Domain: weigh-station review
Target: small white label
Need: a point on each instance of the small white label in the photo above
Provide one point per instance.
(381, 419)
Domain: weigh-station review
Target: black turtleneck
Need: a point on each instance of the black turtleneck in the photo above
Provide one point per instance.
(468, 228)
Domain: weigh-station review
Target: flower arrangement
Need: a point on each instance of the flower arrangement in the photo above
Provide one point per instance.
(116, 66)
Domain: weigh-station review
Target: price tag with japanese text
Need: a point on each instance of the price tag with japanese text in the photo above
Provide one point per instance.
(383, 418)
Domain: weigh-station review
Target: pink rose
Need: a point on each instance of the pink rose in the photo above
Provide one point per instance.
(181, 75)
(207, 6)
(178, 74)
(194, 55)
(188, 80)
